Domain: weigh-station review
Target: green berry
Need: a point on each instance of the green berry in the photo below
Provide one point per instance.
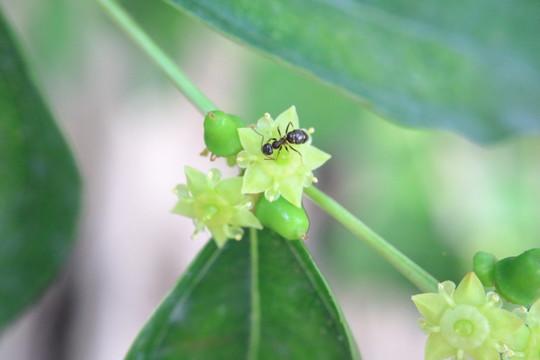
(516, 278)
(484, 264)
(287, 220)
(221, 133)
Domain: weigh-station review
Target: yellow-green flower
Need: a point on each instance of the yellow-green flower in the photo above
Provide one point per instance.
(285, 173)
(533, 322)
(465, 322)
(527, 341)
(216, 204)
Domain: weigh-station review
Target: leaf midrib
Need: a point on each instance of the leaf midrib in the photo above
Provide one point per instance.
(255, 309)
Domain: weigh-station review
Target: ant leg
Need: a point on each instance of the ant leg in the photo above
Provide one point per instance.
(279, 151)
(296, 151)
(287, 129)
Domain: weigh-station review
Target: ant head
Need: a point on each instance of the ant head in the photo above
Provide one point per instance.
(267, 149)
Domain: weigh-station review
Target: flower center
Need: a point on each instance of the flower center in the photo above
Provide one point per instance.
(464, 327)
(211, 209)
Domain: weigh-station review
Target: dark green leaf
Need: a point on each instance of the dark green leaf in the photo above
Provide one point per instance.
(469, 66)
(253, 299)
(39, 187)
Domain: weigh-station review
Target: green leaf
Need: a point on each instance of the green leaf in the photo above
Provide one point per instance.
(256, 299)
(39, 187)
(468, 66)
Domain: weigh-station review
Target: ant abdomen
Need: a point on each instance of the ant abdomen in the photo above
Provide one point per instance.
(297, 137)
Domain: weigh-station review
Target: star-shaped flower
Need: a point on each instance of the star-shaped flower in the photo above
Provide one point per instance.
(288, 170)
(216, 204)
(533, 322)
(464, 322)
(529, 338)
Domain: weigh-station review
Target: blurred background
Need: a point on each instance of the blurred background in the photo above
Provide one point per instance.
(436, 196)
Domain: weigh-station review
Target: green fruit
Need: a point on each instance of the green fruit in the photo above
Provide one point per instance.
(516, 278)
(221, 133)
(287, 220)
(484, 264)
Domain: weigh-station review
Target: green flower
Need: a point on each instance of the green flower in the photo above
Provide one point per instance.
(285, 173)
(531, 350)
(215, 204)
(464, 322)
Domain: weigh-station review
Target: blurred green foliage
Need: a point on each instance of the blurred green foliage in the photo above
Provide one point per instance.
(61, 37)
(39, 187)
(468, 66)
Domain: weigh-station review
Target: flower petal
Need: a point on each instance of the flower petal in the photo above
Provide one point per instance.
(197, 181)
(533, 317)
(431, 306)
(313, 157)
(250, 140)
(231, 190)
(502, 322)
(219, 233)
(470, 291)
(255, 180)
(214, 177)
(519, 340)
(182, 191)
(533, 349)
(184, 207)
(485, 352)
(437, 348)
(283, 120)
(291, 189)
(245, 218)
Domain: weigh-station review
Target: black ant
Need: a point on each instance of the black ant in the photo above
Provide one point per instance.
(293, 137)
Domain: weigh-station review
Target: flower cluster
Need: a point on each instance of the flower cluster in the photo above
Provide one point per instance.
(224, 207)
(467, 323)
